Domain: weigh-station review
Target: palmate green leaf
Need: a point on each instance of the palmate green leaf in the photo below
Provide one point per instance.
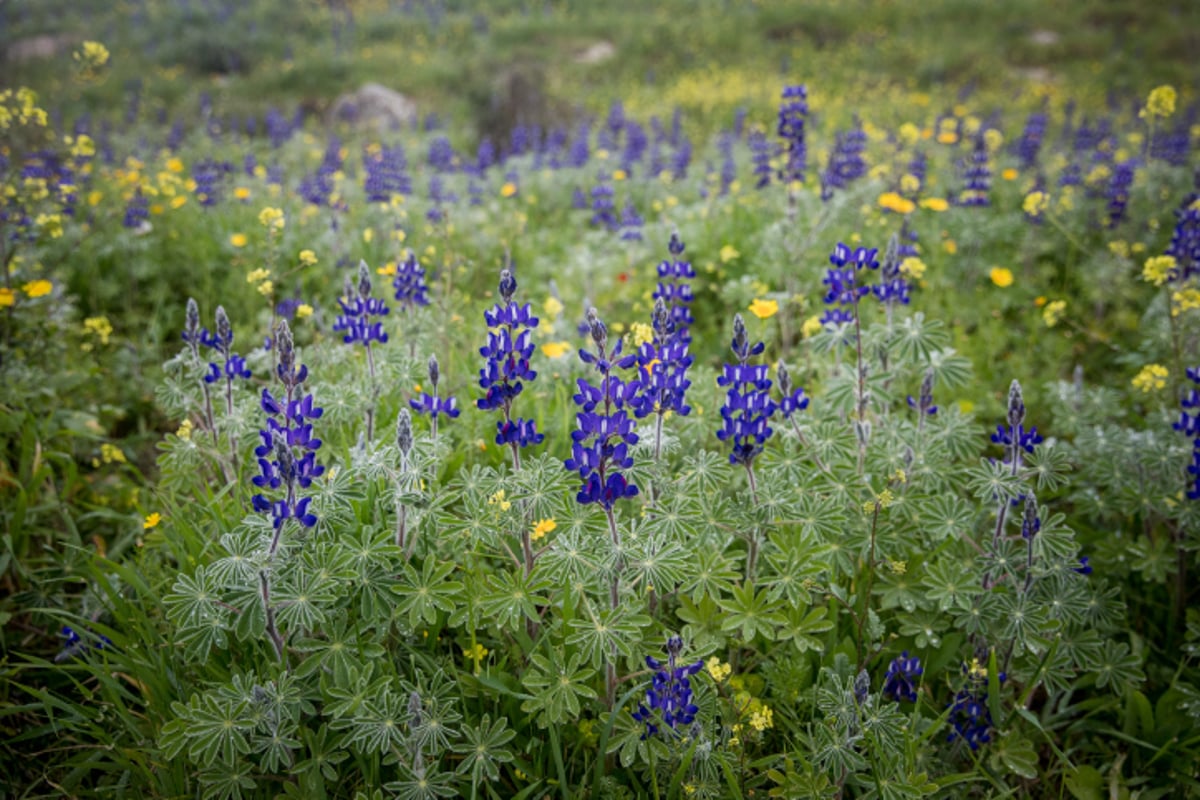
(557, 686)
(247, 552)
(801, 629)
(897, 590)
(1048, 466)
(210, 728)
(430, 784)
(659, 566)
(751, 612)
(371, 551)
(323, 753)
(713, 575)
(598, 632)
(702, 628)
(227, 782)
(541, 487)
(1017, 755)
(380, 724)
(949, 582)
(916, 340)
(345, 695)
(194, 599)
(705, 474)
(423, 594)
(301, 602)
(483, 748)
(337, 648)
(1118, 668)
(513, 597)
(993, 482)
(792, 571)
(950, 370)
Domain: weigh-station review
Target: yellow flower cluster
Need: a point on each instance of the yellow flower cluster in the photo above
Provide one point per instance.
(110, 454)
(1185, 300)
(1160, 103)
(552, 308)
(1035, 203)
(90, 59)
(640, 333)
(894, 202)
(99, 327)
(498, 500)
(541, 528)
(1053, 312)
(151, 521)
(811, 326)
(307, 258)
(272, 219)
(20, 108)
(185, 430)
(555, 349)
(262, 277)
(38, 288)
(1159, 269)
(913, 267)
(1151, 378)
(717, 669)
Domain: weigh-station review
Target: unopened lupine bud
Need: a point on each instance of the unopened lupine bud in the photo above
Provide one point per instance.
(740, 338)
(404, 433)
(785, 379)
(508, 285)
(224, 330)
(434, 372)
(598, 328)
(661, 317)
(1016, 405)
(364, 281)
(192, 327)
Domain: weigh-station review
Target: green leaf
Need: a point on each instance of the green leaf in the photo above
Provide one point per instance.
(557, 686)
(1018, 756)
(801, 628)
(483, 748)
(601, 632)
(1085, 782)
(751, 613)
(425, 593)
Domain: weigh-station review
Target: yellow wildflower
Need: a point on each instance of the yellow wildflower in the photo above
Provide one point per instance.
(718, 670)
(151, 521)
(555, 349)
(498, 500)
(1119, 248)
(94, 198)
(1184, 300)
(897, 567)
(640, 333)
(541, 528)
(947, 137)
(993, 139)
(935, 203)
(185, 430)
(1160, 103)
(7, 297)
(1152, 377)
(256, 275)
(238, 240)
(111, 453)
(728, 253)
(304, 311)
(307, 257)
(175, 165)
(762, 719)
(99, 327)
(977, 670)
(241, 193)
(910, 184)
(894, 202)
(83, 146)
(1159, 269)
(179, 201)
(913, 267)
(950, 246)
(91, 58)
(266, 288)
(764, 309)
(1053, 312)
(475, 653)
(39, 288)
(1001, 276)
(272, 219)
(1035, 203)
(1009, 174)
(811, 326)
(508, 189)
(552, 308)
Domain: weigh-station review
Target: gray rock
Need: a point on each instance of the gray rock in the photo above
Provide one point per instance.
(374, 106)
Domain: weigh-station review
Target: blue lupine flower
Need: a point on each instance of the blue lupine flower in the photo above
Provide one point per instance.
(728, 166)
(508, 350)
(600, 445)
(670, 692)
(207, 175)
(409, 283)
(579, 200)
(793, 109)
(1030, 143)
(748, 407)
(386, 174)
(1185, 240)
(432, 404)
(845, 162)
(1014, 438)
(602, 205)
(1084, 567)
(631, 223)
(1189, 425)
(842, 281)
(662, 363)
(793, 398)
(892, 287)
(287, 457)
(75, 645)
(760, 157)
(682, 159)
(137, 211)
(970, 718)
(675, 290)
(1031, 522)
(441, 154)
(357, 309)
(977, 176)
(903, 676)
(233, 366)
(924, 401)
(1118, 191)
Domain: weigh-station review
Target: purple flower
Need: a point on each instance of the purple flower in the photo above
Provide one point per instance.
(233, 366)
(670, 693)
(748, 407)
(409, 283)
(903, 676)
(844, 291)
(1189, 425)
(357, 309)
(507, 352)
(977, 176)
(793, 109)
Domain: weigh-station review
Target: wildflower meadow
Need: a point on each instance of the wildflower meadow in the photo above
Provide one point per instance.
(599, 400)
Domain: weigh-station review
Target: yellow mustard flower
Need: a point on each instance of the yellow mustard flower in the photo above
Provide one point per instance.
(1053, 312)
(272, 219)
(894, 202)
(728, 253)
(151, 521)
(1001, 276)
(811, 326)
(913, 267)
(256, 275)
(935, 203)
(185, 430)
(38, 288)
(509, 189)
(99, 327)
(1184, 300)
(640, 333)
(307, 257)
(304, 311)
(1152, 377)
(1160, 103)
(1035, 203)
(718, 670)
(541, 528)
(1159, 269)
(555, 349)
(764, 309)
(910, 184)
(110, 453)
(552, 308)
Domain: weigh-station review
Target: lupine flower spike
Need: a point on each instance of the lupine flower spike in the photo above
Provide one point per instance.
(663, 363)
(902, 678)
(194, 335)
(432, 404)
(404, 444)
(670, 694)
(508, 350)
(358, 307)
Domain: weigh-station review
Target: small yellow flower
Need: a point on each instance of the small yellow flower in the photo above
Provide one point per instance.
(241, 193)
(39, 288)
(552, 308)
(509, 189)
(718, 670)
(91, 58)
(910, 184)
(498, 500)
(913, 267)
(51, 225)
(728, 253)
(185, 430)
(555, 349)
(179, 201)
(1053, 312)
(304, 311)
(368, 235)
(1035, 203)
(1184, 300)
(1119, 248)
(947, 137)
(388, 269)
(640, 333)
(175, 165)
(1001, 276)
(894, 202)
(151, 521)
(950, 246)
(977, 670)
(272, 219)
(993, 139)
(110, 453)
(238, 240)
(1160, 103)
(99, 327)
(7, 297)
(1152, 377)
(307, 257)
(1009, 174)
(897, 567)
(762, 719)
(1159, 269)
(764, 309)
(541, 528)
(619, 175)
(811, 326)
(266, 288)
(476, 653)
(256, 275)
(94, 198)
